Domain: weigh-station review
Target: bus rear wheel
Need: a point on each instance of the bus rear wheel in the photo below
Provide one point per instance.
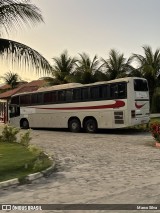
(90, 125)
(74, 125)
(24, 124)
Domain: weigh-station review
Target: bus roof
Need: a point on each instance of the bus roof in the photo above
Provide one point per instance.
(73, 85)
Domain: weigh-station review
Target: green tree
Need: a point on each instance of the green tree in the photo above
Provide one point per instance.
(116, 65)
(87, 70)
(14, 14)
(11, 79)
(149, 67)
(63, 69)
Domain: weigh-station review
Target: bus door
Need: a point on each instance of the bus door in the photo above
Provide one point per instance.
(14, 111)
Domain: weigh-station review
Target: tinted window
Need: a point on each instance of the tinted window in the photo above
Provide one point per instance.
(15, 100)
(140, 85)
(54, 97)
(25, 99)
(69, 94)
(84, 93)
(14, 111)
(122, 90)
(118, 90)
(61, 95)
(34, 98)
(76, 94)
(37, 98)
(50, 97)
(113, 91)
(104, 91)
(94, 93)
(47, 97)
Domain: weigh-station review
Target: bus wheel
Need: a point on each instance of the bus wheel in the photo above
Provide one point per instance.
(74, 125)
(24, 124)
(90, 125)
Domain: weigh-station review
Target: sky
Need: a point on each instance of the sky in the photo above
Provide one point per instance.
(91, 26)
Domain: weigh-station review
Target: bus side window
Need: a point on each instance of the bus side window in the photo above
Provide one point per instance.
(25, 99)
(122, 93)
(76, 94)
(54, 97)
(39, 98)
(48, 97)
(113, 91)
(69, 95)
(118, 90)
(85, 94)
(61, 96)
(95, 93)
(33, 98)
(104, 92)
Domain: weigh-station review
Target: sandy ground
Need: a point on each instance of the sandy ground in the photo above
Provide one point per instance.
(110, 167)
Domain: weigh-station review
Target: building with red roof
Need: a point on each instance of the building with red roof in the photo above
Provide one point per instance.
(5, 96)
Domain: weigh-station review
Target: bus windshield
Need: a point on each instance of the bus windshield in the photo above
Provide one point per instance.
(14, 111)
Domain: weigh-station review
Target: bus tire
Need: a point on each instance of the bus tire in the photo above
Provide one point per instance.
(90, 125)
(74, 125)
(24, 124)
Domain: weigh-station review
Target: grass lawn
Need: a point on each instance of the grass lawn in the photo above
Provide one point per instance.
(16, 161)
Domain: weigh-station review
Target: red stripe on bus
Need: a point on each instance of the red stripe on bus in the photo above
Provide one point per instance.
(117, 104)
(138, 106)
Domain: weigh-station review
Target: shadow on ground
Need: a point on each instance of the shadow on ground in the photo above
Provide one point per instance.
(125, 131)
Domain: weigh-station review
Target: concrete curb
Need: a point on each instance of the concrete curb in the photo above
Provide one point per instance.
(29, 178)
(155, 115)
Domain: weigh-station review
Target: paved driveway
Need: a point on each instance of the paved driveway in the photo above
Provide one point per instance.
(108, 167)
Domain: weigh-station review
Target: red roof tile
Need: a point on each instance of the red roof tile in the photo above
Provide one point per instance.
(5, 87)
(30, 87)
(9, 93)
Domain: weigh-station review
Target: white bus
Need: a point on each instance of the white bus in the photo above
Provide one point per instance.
(112, 104)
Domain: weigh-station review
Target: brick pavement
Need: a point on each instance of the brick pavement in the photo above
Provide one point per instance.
(108, 167)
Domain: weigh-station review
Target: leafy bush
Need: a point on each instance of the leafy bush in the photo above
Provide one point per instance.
(155, 130)
(25, 139)
(9, 134)
(35, 150)
(41, 163)
(38, 165)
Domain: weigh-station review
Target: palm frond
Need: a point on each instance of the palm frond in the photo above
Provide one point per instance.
(16, 13)
(139, 58)
(26, 56)
(148, 54)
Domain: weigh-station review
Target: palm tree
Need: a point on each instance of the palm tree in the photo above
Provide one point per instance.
(63, 69)
(117, 66)
(149, 67)
(14, 14)
(88, 71)
(11, 79)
